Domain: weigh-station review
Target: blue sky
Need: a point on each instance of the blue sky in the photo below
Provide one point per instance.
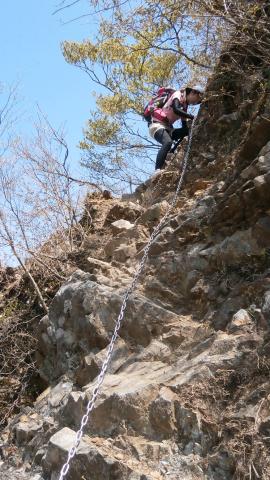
(30, 37)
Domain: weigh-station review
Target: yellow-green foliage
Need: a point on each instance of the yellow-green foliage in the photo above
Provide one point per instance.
(75, 52)
(137, 49)
(113, 104)
(100, 130)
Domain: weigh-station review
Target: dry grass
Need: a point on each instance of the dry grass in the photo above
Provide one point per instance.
(17, 346)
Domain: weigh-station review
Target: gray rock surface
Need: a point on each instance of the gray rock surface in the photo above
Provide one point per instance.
(121, 225)
(186, 395)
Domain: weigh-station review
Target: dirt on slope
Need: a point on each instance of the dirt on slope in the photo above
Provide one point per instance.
(187, 393)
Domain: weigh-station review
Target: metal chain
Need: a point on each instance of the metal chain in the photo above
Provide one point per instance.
(100, 378)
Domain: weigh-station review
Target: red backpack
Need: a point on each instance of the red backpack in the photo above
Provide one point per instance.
(155, 105)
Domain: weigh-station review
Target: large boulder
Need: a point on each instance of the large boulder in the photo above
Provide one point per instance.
(239, 247)
(92, 362)
(121, 226)
(153, 213)
(100, 458)
(124, 211)
(81, 321)
(27, 428)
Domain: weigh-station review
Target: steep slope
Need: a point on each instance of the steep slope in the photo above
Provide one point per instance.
(187, 395)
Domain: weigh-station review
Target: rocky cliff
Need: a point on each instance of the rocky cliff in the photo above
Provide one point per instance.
(187, 395)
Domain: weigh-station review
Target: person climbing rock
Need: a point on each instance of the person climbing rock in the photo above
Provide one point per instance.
(161, 125)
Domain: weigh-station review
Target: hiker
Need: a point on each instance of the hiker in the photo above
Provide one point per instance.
(161, 125)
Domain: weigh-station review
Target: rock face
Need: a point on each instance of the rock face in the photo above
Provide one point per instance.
(186, 395)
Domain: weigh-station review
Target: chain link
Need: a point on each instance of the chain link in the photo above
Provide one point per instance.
(100, 378)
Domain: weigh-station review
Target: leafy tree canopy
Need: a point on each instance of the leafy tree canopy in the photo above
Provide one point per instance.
(138, 47)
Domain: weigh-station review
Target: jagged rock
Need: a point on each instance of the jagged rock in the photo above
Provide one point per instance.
(89, 321)
(108, 274)
(128, 241)
(123, 405)
(223, 315)
(59, 446)
(59, 394)
(122, 253)
(188, 378)
(153, 213)
(162, 413)
(239, 247)
(259, 181)
(18, 474)
(208, 156)
(93, 264)
(200, 289)
(241, 321)
(131, 399)
(156, 350)
(59, 355)
(221, 466)
(264, 159)
(249, 172)
(121, 225)
(92, 457)
(74, 410)
(113, 244)
(228, 120)
(261, 232)
(92, 363)
(27, 427)
(198, 185)
(208, 201)
(195, 435)
(177, 274)
(266, 305)
(124, 211)
(39, 456)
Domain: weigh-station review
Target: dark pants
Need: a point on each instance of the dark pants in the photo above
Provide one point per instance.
(166, 139)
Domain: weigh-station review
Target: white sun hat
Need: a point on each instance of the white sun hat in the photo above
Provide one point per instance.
(198, 88)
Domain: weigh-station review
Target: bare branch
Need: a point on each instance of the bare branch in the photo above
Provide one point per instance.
(62, 7)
